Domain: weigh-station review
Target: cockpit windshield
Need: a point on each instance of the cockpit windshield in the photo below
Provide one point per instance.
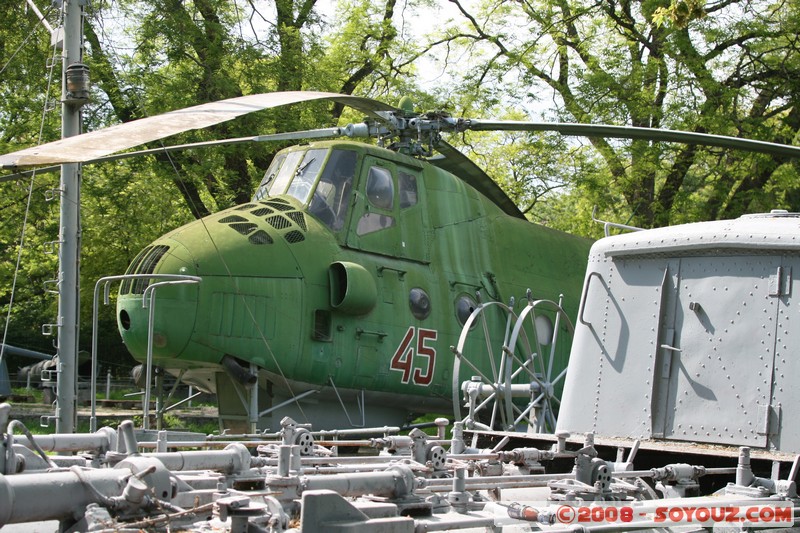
(325, 191)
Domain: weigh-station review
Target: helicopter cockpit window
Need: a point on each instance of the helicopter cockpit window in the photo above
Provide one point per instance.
(306, 174)
(380, 188)
(269, 177)
(331, 198)
(284, 175)
(380, 193)
(407, 184)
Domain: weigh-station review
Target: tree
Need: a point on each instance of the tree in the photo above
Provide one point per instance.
(727, 67)
(167, 55)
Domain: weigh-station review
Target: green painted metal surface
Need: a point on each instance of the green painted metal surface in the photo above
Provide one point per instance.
(270, 281)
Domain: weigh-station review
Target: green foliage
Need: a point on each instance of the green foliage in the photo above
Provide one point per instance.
(726, 68)
(729, 68)
(147, 58)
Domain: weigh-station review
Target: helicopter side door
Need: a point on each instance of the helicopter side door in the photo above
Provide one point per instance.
(390, 217)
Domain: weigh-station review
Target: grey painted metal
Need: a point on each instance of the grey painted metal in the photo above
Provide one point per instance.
(55, 496)
(70, 238)
(326, 510)
(690, 329)
(234, 459)
(633, 132)
(100, 143)
(778, 231)
(22, 352)
(151, 292)
(396, 482)
(103, 285)
(176, 491)
(103, 440)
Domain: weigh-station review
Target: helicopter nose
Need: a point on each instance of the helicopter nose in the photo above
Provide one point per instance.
(172, 307)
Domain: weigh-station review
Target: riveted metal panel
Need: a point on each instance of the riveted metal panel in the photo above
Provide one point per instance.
(785, 394)
(616, 339)
(667, 350)
(725, 328)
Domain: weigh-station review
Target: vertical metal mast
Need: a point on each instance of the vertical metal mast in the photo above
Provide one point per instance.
(74, 95)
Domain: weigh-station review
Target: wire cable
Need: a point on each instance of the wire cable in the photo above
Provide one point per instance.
(27, 207)
(179, 183)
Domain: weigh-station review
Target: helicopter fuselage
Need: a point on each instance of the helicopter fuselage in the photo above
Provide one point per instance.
(350, 274)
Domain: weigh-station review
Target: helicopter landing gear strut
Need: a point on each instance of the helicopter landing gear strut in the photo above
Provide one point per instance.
(511, 383)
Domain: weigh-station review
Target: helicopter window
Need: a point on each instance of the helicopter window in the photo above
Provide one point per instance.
(373, 222)
(380, 188)
(420, 303)
(407, 184)
(465, 305)
(269, 177)
(331, 198)
(306, 174)
(284, 175)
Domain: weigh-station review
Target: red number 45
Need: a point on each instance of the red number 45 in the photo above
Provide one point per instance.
(403, 359)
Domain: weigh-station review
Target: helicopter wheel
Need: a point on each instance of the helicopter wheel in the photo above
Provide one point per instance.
(479, 370)
(539, 367)
(507, 385)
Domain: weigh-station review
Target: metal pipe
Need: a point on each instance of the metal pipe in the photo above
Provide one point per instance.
(233, 459)
(69, 230)
(396, 482)
(462, 522)
(101, 441)
(128, 438)
(357, 431)
(104, 283)
(55, 495)
(22, 352)
(151, 290)
(286, 402)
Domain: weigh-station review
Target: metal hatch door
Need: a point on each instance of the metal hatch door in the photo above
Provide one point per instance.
(721, 374)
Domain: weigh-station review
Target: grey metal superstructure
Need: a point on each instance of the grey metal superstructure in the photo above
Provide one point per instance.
(687, 333)
(677, 414)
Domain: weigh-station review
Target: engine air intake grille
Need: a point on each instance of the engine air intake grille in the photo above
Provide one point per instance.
(280, 206)
(232, 218)
(279, 222)
(260, 237)
(244, 227)
(294, 236)
(144, 263)
(299, 219)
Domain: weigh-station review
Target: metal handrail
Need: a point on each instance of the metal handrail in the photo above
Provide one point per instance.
(104, 282)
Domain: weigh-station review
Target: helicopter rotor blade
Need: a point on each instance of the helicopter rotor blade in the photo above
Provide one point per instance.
(462, 166)
(100, 143)
(634, 132)
(322, 133)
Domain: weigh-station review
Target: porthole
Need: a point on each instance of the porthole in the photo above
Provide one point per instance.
(465, 305)
(125, 320)
(420, 303)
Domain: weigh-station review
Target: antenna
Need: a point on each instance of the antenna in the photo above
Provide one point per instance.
(75, 93)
